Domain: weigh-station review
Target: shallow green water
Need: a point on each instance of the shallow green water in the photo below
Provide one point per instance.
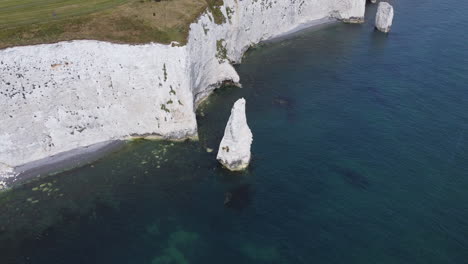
(360, 155)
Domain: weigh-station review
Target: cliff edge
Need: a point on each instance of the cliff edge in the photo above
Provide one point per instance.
(59, 97)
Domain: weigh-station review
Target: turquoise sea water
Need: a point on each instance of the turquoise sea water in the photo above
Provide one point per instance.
(360, 155)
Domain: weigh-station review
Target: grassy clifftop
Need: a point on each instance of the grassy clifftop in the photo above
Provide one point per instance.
(27, 22)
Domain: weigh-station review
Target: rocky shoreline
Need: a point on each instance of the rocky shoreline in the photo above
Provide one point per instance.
(61, 97)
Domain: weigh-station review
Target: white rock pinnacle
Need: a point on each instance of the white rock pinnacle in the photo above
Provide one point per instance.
(384, 17)
(234, 150)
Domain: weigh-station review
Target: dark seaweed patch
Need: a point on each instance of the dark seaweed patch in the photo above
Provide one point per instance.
(354, 178)
(288, 103)
(378, 96)
(238, 198)
(284, 101)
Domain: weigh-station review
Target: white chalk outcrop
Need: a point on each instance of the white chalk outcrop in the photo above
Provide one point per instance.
(384, 17)
(234, 149)
(59, 97)
(5, 173)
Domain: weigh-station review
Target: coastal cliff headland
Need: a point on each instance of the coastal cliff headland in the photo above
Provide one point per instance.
(56, 98)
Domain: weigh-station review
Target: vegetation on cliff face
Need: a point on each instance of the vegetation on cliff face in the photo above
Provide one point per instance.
(27, 22)
(214, 7)
(221, 51)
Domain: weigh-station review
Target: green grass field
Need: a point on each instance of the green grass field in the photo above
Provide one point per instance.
(21, 12)
(26, 22)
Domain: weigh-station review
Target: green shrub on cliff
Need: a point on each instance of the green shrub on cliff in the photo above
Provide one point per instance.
(215, 8)
(221, 51)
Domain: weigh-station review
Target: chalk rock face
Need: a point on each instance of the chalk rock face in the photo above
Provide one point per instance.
(384, 17)
(59, 97)
(211, 47)
(234, 150)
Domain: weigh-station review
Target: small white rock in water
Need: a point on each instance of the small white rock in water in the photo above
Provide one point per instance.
(384, 17)
(234, 150)
(373, 1)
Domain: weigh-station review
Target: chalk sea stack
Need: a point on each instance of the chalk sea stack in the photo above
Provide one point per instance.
(384, 17)
(234, 150)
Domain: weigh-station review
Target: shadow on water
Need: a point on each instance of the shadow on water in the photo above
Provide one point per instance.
(353, 177)
(287, 103)
(378, 96)
(284, 102)
(239, 198)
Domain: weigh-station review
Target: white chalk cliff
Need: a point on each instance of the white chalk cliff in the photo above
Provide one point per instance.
(234, 149)
(384, 17)
(59, 97)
